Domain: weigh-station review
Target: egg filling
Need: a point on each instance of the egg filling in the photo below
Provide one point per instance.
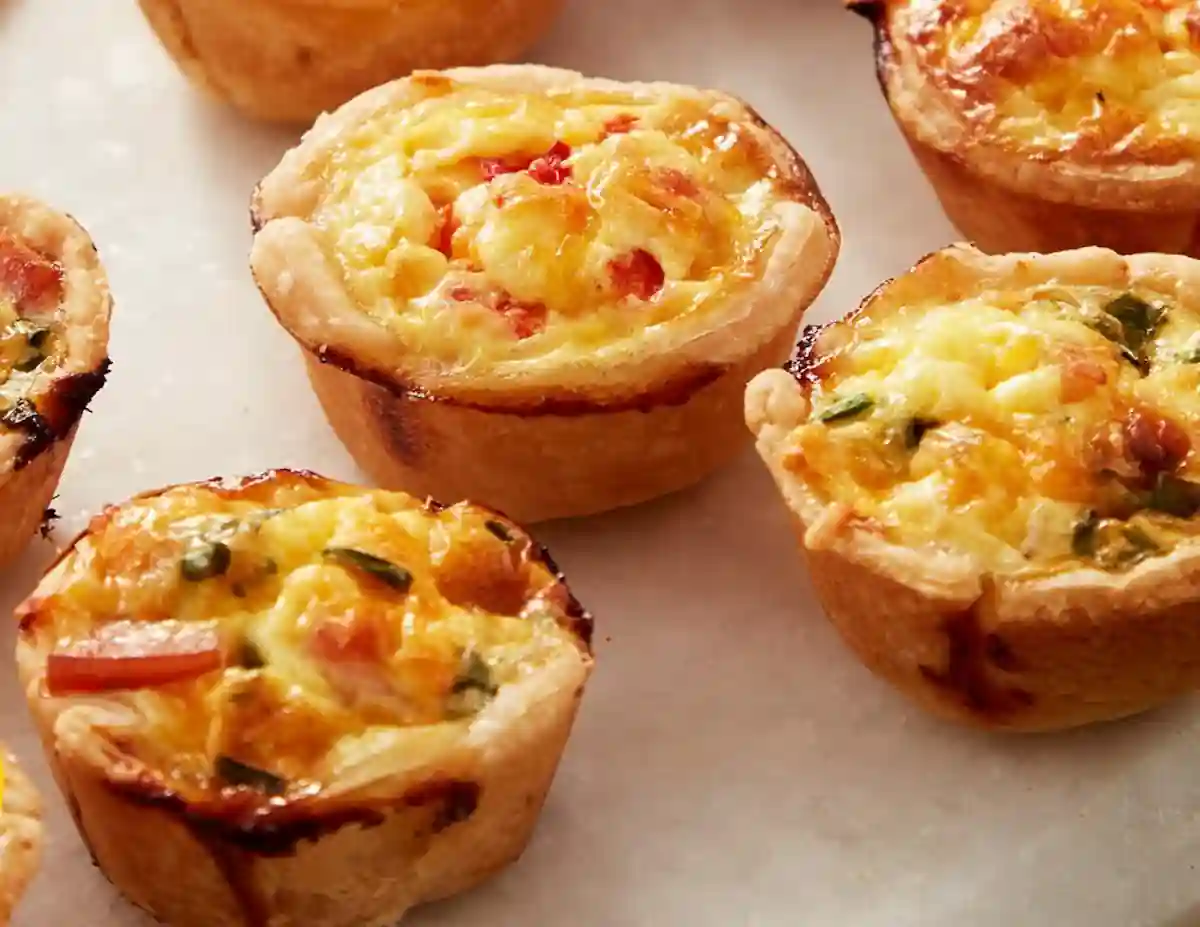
(1092, 80)
(288, 634)
(1036, 429)
(484, 227)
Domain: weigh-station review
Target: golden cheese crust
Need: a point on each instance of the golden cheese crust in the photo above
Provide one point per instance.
(509, 232)
(1022, 106)
(289, 634)
(1093, 82)
(999, 450)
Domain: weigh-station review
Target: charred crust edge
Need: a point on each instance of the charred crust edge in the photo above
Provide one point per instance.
(676, 392)
(247, 822)
(53, 417)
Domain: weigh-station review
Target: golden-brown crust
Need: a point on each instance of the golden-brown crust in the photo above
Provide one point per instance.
(21, 836)
(1003, 193)
(346, 857)
(615, 456)
(288, 61)
(999, 651)
(626, 429)
(32, 457)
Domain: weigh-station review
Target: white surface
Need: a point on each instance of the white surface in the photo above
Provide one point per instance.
(732, 765)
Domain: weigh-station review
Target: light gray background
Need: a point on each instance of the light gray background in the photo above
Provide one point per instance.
(732, 765)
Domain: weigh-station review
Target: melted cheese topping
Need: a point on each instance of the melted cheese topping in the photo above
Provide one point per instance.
(1089, 79)
(326, 664)
(1031, 429)
(482, 227)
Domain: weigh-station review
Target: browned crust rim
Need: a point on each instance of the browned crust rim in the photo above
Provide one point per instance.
(273, 826)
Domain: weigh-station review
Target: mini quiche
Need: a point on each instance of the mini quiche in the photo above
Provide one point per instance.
(21, 834)
(289, 701)
(291, 60)
(54, 313)
(540, 291)
(1045, 125)
(993, 467)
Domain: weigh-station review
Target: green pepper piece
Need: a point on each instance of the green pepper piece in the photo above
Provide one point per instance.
(388, 573)
(1139, 319)
(206, 561)
(846, 408)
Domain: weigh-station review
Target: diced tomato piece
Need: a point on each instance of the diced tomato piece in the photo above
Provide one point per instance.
(361, 636)
(1155, 443)
(447, 226)
(1080, 374)
(676, 182)
(461, 294)
(637, 273)
(134, 655)
(549, 169)
(31, 280)
(526, 319)
(620, 124)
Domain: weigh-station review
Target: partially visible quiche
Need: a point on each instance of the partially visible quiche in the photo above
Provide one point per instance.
(1051, 124)
(993, 467)
(54, 314)
(538, 290)
(21, 834)
(291, 60)
(285, 700)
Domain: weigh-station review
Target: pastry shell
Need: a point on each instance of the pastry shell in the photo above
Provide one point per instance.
(995, 651)
(31, 462)
(1005, 199)
(562, 443)
(21, 836)
(355, 858)
(291, 60)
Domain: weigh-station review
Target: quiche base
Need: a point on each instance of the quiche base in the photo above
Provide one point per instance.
(21, 836)
(1010, 201)
(1000, 652)
(543, 463)
(30, 468)
(288, 61)
(354, 857)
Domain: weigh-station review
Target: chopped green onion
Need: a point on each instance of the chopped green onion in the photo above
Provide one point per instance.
(847, 408)
(476, 675)
(205, 561)
(1139, 319)
(385, 571)
(236, 773)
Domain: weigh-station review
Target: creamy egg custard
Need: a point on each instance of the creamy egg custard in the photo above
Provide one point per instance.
(482, 226)
(1034, 429)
